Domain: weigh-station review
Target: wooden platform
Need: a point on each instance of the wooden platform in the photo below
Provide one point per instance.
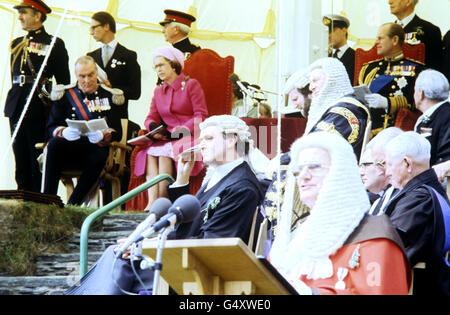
(216, 267)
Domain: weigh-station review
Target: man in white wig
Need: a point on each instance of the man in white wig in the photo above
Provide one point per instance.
(334, 109)
(297, 89)
(228, 197)
(336, 250)
(230, 192)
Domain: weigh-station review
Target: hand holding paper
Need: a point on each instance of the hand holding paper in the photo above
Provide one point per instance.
(71, 134)
(377, 101)
(95, 136)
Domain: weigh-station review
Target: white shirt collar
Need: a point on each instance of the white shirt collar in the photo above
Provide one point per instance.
(220, 172)
(406, 20)
(428, 113)
(111, 45)
(342, 50)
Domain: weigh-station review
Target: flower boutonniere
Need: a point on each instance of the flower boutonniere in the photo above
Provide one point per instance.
(426, 120)
(211, 206)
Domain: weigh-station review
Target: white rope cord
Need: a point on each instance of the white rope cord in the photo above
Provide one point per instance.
(33, 90)
(280, 104)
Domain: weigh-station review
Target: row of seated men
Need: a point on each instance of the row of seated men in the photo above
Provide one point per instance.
(321, 187)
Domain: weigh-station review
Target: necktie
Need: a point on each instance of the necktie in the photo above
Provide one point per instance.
(335, 55)
(105, 55)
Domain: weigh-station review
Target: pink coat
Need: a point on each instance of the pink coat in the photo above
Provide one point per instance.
(181, 104)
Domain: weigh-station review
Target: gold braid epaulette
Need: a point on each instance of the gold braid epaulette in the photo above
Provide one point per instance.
(15, 51)
(371, 76)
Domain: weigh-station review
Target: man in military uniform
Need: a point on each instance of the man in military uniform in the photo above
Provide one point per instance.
(338, 26)
(390, 79)
(419, 31)
(119, 63)
(69, 148)
(177, 26)
(27, 55)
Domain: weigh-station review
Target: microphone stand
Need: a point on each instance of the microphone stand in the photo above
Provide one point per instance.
(162, 237)
(246, 94)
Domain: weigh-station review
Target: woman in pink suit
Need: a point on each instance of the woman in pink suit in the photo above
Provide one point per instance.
(179, 105)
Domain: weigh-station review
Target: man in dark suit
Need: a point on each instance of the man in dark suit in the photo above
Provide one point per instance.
(119, 63)
(416, 212)
(68, 148)
(338, 26)
(431, 98)
(176, 28)
(228, 197)
(419, 31)
(123, 72)
(27, 55)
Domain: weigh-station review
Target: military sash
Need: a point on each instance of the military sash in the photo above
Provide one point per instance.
(379, 83)
(81, 108)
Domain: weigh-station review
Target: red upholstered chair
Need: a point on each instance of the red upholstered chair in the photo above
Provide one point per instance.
(406, 119)
(213, 72)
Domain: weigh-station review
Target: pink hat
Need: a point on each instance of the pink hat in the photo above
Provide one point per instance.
(170, 53)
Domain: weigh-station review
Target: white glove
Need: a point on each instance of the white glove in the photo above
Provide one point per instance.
(95, 136)
(377, 101)
(71, 134)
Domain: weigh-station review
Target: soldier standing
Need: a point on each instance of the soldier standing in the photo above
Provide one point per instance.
(177, 26)
(27, 55)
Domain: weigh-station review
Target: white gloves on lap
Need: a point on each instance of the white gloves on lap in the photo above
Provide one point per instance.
(377, 101)
(95, 136)
(71, 134)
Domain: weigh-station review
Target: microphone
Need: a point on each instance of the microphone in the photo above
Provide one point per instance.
(159, 208)
(185, 209)
(255, 87)
(242, 85)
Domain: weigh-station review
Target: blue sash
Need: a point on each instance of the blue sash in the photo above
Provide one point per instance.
(80, 106)
(380, 82)
(445, 209)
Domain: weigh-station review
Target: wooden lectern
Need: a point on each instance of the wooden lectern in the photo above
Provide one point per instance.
(217, 267)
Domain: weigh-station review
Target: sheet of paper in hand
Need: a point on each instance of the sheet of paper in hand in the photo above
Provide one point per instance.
(361, 91)
(87, 126)
(145, 139)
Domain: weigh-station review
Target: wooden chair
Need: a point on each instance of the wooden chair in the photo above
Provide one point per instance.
(406, 119)
(115, 167)
(213, 72)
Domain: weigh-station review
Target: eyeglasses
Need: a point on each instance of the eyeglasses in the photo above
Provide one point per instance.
(365, 165)
(312, 168)
(92, 28)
